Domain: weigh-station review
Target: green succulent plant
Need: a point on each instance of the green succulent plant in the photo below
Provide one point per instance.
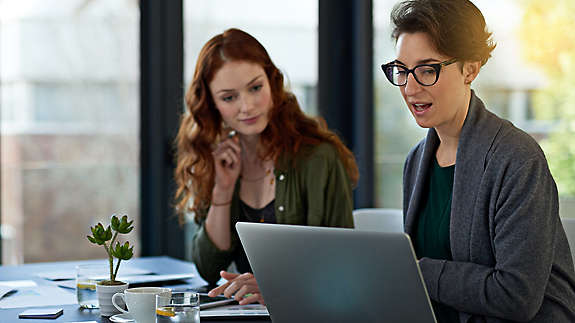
(101, 235)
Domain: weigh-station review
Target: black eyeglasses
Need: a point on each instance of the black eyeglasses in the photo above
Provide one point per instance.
(424, 74)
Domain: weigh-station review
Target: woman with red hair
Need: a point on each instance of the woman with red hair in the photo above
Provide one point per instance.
(246, 152)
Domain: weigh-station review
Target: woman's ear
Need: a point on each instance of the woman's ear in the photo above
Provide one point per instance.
(470, 71)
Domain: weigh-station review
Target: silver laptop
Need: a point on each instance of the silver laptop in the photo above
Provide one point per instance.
(318, 274)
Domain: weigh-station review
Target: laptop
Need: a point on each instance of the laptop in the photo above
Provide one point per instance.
(319, 274)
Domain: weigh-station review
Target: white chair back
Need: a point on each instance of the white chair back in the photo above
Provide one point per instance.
(569, 227)
(381, 220)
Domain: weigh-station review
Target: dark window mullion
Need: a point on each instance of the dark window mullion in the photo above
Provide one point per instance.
(161, 94)
(345, 83)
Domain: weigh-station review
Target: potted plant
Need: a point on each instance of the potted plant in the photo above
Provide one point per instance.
(107, 237)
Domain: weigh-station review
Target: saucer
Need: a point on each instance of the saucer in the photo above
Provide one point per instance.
(124, 317)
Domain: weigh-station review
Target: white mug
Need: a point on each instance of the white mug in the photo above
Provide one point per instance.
(141, 302)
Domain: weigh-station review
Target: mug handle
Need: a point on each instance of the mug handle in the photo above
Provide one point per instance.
(118, 306)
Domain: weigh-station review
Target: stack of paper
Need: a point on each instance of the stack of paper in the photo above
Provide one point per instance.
(26, 293)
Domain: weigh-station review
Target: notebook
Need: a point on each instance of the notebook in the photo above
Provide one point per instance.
(318, 274)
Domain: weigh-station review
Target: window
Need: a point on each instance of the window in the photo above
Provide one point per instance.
(69, 78)
(287, 29)
(395, 130)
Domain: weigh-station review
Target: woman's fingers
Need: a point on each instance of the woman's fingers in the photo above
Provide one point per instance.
(252, 298)
(242, 288)
(226, 158)
(245, 291)
(249, 292)
(218, 290)
(230, 144)
(234, 143)
(227, 153)
(241, 285)
(241, 292)
(234, 286)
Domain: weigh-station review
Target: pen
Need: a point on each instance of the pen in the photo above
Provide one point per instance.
(222, 302)
(207, 305)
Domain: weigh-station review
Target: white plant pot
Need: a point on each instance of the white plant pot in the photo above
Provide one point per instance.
(105, 293)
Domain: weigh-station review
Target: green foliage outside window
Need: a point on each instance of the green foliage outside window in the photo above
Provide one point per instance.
(548, 40)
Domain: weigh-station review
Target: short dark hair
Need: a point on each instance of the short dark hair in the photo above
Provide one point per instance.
(456, 27)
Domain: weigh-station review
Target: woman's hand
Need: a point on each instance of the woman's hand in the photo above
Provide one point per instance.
(243, 288)
(227, 159)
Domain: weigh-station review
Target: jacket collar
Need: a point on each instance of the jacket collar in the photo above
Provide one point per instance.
(475, 141)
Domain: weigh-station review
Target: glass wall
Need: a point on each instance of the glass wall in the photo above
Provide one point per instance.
(532, 86)
(395, 130)
(69, 79)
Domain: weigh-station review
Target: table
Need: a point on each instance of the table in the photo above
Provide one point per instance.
(72, 313)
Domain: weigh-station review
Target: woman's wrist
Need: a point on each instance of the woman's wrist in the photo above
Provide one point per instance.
(222, 197)
(215, 203)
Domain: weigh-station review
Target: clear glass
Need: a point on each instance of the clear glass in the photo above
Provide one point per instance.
(69, 107)
(87, 276)
(180, 307)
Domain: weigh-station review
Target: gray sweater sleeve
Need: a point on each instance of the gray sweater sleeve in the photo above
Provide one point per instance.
(524, 205)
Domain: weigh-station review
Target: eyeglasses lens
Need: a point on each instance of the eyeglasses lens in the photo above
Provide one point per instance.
(425, 75)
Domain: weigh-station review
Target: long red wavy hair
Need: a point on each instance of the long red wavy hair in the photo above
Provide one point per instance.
(201, 126)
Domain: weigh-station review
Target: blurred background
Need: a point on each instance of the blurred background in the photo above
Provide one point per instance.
(70, 96)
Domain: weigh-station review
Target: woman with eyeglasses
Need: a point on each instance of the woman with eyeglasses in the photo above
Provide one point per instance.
(246, 152)
(480, 203)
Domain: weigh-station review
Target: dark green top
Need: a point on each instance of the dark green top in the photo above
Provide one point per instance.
(312, 188)
(432, 233)
(432, 237)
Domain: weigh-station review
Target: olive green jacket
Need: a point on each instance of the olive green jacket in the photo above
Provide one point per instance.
(311, 189)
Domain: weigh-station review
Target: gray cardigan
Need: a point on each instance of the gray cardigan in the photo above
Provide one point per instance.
(511, 260)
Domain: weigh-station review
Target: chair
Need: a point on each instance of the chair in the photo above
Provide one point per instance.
(569, 227)
(381, 220)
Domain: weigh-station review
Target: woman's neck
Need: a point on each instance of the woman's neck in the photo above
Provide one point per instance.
(257, 178)
(449, 133)
(250, 148)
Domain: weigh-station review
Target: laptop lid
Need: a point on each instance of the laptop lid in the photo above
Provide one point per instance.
(319, 274)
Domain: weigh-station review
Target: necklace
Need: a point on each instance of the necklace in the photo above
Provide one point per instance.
(253, 180)
(259, 185)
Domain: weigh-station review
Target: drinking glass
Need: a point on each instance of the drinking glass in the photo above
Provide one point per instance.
(181, 307)
(86, 278)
